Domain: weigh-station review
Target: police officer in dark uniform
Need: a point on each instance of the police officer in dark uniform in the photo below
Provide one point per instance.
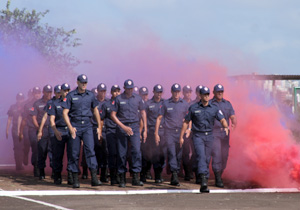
(37, 114)
(125, 115)
(61, 135)
(79, 107)
(14, 113)
(173, 110)
(221, 140)
(111, 133)
(157, 150)
(198, 97)
(101, 146)
(28, 121)
(203, 115)
(187, 147)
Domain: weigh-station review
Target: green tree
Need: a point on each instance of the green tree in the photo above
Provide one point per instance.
(24, 27)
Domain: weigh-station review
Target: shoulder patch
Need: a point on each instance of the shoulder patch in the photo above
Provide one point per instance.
(32, 109)
(65, 99)
(113, 102)
(49, 107)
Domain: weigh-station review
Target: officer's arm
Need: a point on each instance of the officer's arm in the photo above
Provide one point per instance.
(225, 125)
(157, 124)
(8, 126)
(98, 119)
(144, 118)
(67, 119)
(113, 116)
(233, 121)
(34, 120)
(23, 123)
(53, 126)
(185, 125)
(141, 125)
(45, 116)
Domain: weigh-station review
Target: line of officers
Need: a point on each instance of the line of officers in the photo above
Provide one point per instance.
(179, 134)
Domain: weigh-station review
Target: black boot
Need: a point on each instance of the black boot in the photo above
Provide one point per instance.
(57, 178)
(70, 178)
(198, 178)
(113, 176)
(174, 179)
(203, 188)
(36, 171)
(219, 181)
(52, 174)
(84, 173)
(143, 175)
(187, 175)
(75, 180)
(94, 180)
(42, 174)
(135, 180)
(157, 174)
(103, 177)
(122, 177)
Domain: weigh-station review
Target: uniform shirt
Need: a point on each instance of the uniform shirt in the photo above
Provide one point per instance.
(152, 110)
(127, 108)
(57, 110)
(203, 117)
(106, 109)
(38, 111)
(100, 103)
(15, 111)
(80, 105)
(227, 109)
(173, 113)
(28, 107)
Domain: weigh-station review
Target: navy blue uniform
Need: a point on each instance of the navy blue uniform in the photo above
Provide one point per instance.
(203, 118)
(32, 131)
(58, 146)
(173, 113)
(110, 133)
(80, 107)
(44, 145)
(127, 113)
(15, 112)
(221, 141)
(26, 141)
(156, 154)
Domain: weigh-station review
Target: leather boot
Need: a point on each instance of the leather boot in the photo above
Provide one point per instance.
(198, 178)
(203, 188)
(219, 181)
(143, 175)
(157, 174)
(103, 177)
(57, 178)
(174, 179)
(42, 174)
(70, 178)
(122, 177)
(94, 179)
(75, 180)
(36, 171)
(135, 180)
(84, 173)
(113, 176)
(187, 176)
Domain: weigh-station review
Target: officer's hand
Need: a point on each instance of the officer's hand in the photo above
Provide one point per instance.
(157, 139)
(226, 131)
(73, 132)
(181, 142)
(145, 136)
(99, 133)
(187, 133)
(232, 127)
(128, 131)
(21, 137)
(39, 135)
(58, 135)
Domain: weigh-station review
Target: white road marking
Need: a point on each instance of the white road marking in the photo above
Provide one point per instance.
(7, 165)
(141, 192)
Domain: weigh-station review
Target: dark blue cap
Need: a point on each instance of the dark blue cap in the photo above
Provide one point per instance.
(47, 88)
(20, 96)
(57, 89)
(186, 89)
(36, 90)
(94, 90)
(143, 90)
(65, 86)
(82, 78)
(158, 88)
(128, 84)
(115, 87)
(218, 88)
(101, 87)
(198, 88)
(176, 87)
(205, 90)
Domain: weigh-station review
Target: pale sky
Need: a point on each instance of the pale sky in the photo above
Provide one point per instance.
(264, 33)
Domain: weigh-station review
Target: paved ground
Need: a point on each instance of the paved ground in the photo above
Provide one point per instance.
(10, 180)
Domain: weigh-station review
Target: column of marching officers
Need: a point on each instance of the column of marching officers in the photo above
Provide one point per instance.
(127, 131)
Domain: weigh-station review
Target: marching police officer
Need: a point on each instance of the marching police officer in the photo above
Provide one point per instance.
(14, 113)
(221, 140)
(202, 115)
(111, 133)
(173, 110)
(37, 114)
(125, 114)
(80, 105)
